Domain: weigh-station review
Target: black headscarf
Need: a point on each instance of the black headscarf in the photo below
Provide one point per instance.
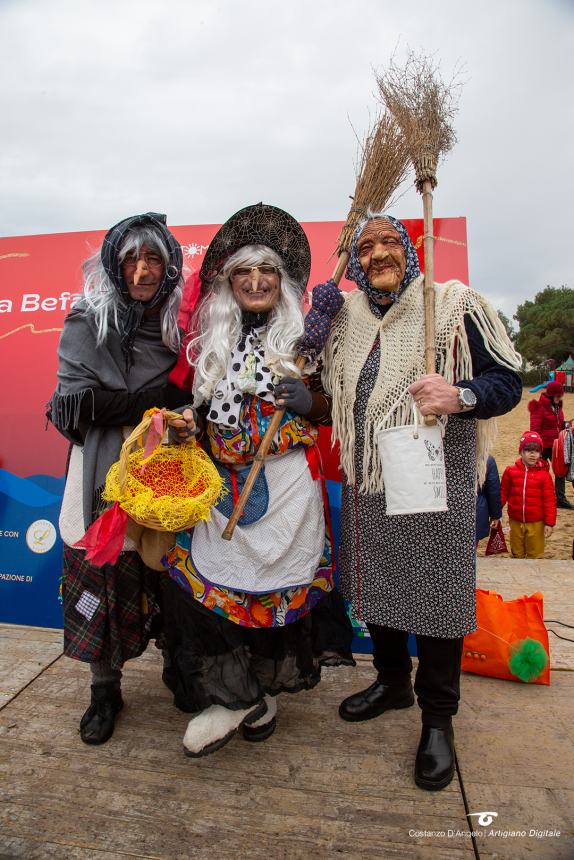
(131, 317)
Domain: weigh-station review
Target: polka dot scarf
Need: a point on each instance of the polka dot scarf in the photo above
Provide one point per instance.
(247, 373)
(355, 271)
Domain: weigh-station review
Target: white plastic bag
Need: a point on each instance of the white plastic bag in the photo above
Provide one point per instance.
(412, 458)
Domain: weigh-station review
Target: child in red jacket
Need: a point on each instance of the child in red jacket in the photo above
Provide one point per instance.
(547, 418)
(529, 491)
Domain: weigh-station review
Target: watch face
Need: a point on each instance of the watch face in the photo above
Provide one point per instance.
(467, 397)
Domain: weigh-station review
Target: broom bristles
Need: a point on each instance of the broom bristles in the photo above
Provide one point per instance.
(383, 166)
(424, 108)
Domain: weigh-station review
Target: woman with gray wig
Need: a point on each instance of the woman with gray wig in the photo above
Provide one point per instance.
(118, 345)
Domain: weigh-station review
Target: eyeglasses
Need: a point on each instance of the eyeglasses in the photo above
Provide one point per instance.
(153, 261)
(245, 271)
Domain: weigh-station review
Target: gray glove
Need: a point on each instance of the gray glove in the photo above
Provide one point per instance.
(294, 394)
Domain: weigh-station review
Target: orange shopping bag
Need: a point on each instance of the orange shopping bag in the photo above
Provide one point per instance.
(511, 641)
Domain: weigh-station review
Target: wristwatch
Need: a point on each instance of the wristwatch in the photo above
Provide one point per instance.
(466, 399)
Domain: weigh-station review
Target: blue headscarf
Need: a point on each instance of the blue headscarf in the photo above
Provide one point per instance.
(355, 270)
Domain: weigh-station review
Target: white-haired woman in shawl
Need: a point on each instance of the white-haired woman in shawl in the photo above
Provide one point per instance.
(253, 617)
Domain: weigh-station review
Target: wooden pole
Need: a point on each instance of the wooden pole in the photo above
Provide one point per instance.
(340, 267)
(428, 290)
(272, 429)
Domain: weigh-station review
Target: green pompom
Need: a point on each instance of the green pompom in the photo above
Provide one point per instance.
(528, 659)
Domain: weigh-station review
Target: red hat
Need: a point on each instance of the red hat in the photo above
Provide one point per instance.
(529, 437)
(555, 389)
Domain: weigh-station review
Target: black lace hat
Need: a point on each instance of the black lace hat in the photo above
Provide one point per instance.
(260, 224)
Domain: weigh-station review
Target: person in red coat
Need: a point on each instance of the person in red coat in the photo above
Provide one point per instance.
(527, 487)
(547, 419)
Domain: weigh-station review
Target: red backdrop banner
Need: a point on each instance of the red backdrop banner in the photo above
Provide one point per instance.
(40, 276)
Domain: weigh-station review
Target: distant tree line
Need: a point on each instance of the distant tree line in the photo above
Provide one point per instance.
(545, 330)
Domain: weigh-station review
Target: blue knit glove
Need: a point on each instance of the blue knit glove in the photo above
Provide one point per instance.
(327, 300)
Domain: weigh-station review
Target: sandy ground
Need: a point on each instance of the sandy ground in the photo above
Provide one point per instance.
(510, 427)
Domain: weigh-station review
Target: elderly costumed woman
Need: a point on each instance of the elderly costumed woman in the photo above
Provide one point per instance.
(240, 614)
(413, 571)
(117, 348)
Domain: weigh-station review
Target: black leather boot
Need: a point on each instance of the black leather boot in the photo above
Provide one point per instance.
(434, 765)
(97, 724)
(375, 700)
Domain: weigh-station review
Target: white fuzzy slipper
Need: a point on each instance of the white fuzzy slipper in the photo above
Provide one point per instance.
(215, 726)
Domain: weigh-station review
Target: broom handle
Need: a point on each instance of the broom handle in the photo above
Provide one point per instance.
(272, 428)
(428, 290)
(340, 267)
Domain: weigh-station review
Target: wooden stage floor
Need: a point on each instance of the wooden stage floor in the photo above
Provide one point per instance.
(319, 788)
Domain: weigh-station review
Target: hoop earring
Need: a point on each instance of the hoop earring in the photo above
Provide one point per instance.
(172, 272)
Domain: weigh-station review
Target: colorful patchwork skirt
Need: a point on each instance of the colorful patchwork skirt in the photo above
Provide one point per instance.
(229, 641)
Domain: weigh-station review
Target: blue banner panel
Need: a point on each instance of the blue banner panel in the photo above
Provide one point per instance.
(30, 550)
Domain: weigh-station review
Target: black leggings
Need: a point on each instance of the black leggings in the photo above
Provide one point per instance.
(437, 681)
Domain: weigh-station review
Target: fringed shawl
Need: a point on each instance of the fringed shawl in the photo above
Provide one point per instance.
(401, 333)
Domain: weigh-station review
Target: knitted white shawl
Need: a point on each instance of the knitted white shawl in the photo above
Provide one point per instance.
(401, 332)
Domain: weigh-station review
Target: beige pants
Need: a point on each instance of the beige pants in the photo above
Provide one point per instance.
(527, 539)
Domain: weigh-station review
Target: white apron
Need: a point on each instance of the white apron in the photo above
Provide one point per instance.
(282, 549)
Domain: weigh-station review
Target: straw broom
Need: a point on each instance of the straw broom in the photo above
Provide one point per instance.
(423, 107)
(383, 166)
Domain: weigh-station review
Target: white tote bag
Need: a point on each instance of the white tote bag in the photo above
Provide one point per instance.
(412, 458)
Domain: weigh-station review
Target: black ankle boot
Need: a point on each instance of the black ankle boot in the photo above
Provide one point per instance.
(434, 765)
(375, 700)
(97, 724)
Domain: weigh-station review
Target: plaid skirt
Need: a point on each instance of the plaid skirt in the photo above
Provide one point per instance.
(110, 613)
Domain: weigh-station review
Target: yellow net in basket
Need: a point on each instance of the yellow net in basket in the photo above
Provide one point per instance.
(170, 489)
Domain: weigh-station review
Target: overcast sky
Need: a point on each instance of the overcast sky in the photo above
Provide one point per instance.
(199, 107)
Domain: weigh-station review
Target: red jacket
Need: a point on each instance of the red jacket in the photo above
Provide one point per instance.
(545, 420)
(529, 493)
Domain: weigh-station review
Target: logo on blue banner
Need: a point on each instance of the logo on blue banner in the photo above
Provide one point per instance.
(30, 550)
